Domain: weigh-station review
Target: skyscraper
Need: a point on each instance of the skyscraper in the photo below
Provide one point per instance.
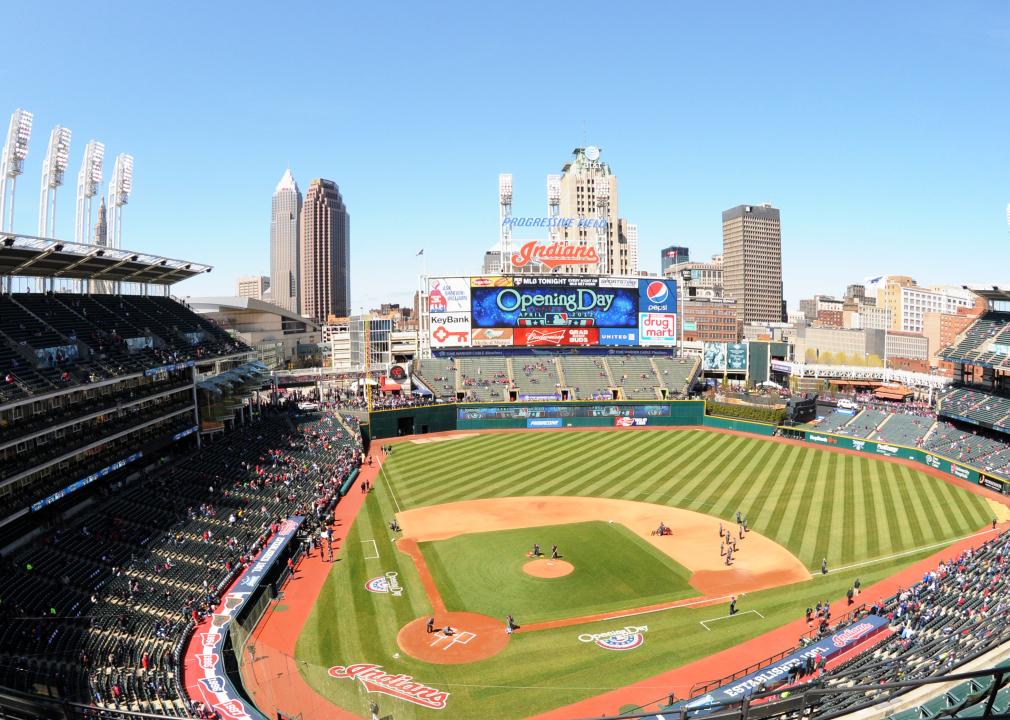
(102, 226)
(752, 261)
(589, 192)
(673, 255)
(285, 259)
(326, 252)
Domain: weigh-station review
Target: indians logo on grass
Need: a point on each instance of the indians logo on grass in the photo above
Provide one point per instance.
(627, 638)
(385, 584)
(402, 687)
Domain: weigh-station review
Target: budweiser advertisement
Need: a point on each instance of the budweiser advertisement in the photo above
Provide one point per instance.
(554, 255)
(556, 337)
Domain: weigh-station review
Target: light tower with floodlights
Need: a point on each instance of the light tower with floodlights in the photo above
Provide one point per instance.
(12, 164)
(505, 221)
(55, 165)
(120, 188)
(89, 180)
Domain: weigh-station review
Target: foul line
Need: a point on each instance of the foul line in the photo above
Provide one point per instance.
(723, 617)
(375, 546)
(385, 477)
(913, 551)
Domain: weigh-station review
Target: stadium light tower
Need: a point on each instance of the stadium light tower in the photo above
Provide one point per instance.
(553, 204)
(19, 132)
(89, 180)
(120, 188)
(55, 165)
(505, 221)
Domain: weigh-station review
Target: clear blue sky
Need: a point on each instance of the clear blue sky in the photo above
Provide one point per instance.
(881, 129)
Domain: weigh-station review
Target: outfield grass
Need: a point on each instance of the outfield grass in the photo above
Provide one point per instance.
(814, 502)
(614, 569)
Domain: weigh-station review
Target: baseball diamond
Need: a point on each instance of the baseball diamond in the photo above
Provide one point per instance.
(470, 508)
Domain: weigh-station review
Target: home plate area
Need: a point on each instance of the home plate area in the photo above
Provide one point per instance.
(471, 637)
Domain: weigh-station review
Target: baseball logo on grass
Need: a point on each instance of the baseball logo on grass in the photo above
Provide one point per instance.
(387, 584)
(627, 638)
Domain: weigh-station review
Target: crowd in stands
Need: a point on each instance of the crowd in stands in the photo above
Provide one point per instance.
(49, 341)
(99, 607)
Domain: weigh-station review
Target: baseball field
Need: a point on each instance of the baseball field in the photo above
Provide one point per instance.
(620, 604)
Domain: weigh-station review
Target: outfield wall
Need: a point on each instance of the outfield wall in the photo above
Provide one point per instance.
(747, 426)
(937, 462)
(535, 415)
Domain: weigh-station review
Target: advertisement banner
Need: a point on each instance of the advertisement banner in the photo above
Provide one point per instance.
(736, 357)
(657, 329)
(492, 337)
(549, 305)
(713, 356)
(630, 421)
(449, 295)
(491, 281)
(216, 689)
(618, 337)
(450, 329)
(556, 337)
(993, 484)
(657, 296)
(543, 422)
(827, 647)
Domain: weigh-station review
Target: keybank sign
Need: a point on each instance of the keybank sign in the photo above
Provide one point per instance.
(558, 222)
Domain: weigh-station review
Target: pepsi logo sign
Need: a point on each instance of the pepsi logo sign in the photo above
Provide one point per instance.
(657, 292)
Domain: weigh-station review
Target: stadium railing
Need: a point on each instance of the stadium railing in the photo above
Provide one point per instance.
(802, 701)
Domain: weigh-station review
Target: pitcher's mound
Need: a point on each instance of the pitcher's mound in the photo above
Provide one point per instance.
(474, 637)
(545, 568)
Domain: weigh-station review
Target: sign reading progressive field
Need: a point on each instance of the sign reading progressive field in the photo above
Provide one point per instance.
(551, 311)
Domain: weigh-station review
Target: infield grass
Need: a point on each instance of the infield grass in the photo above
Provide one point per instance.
(614, 569)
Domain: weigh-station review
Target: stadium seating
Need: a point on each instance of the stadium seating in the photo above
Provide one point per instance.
(904, 429)
(975, 344)
(834, 421)
(978, 406)
(587, 378)
(940, 623)
(677, 374)
(484, 379)
(52, 341)
(98, 609)
(863, 424)
(982, 452)
(536, 376)
(438, 375)
(636, 376)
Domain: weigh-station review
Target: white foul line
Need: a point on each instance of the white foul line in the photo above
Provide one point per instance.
(723, 617)
(907, 552)
(375, 546)
(385, 477)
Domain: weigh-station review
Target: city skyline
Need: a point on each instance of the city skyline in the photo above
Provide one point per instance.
(871, 119)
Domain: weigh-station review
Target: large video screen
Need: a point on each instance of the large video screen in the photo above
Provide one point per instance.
(552, 311)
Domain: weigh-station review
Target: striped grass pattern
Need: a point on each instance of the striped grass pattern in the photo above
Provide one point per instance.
(816, 503)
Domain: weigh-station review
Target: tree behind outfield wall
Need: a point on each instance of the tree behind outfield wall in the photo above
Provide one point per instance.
(874, 361)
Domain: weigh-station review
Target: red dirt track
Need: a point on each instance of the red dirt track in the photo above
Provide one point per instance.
(277, 633)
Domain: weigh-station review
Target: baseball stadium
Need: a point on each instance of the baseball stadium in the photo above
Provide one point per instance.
(556, 514)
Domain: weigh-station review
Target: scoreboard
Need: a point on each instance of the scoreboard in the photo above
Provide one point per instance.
(546, 311)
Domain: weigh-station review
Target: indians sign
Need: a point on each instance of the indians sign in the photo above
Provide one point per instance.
(401, 687)
(555, 254)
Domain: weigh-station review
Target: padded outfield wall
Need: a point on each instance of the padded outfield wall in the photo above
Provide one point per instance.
(535, 415)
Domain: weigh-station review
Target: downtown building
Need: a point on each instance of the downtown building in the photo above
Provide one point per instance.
(325, 253)
(752, 262)
(285, 257)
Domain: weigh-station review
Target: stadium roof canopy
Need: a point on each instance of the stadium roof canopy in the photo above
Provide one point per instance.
(990, 292)
(24, 255)
(247, 306)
